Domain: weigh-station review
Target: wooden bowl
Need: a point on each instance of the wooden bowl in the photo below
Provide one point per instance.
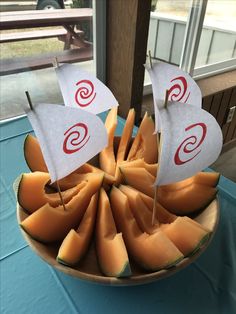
(88, 268)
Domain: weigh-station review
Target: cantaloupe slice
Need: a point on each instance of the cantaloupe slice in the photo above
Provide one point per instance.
(145, 142)
(31, 195)
(184, 232)
(210, 179)
(107, 157)
(139, 178)
(152, 252)
(141, 212)
(87, 168)
(188, 200)
(140, 163)
(126, 137)
(111, 251)
(163, 215)
(49, 224)
(186, 235)
(76, 243)
(33, 154)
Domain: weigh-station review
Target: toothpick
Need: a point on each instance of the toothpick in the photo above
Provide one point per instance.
(55, 62)
(166, 99)
(29, 100)
(60, 194)
(150, 58)
(154, 211)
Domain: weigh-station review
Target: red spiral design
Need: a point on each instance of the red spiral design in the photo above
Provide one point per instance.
(85, 93)
(190, 141)
(179, 91)
(73, 138)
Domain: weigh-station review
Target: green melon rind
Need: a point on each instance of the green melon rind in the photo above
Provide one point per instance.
(217, 181)
(16, 185)
(65, 263)
(200, 244)
(167, 266)
(16, 188)
(24, 149)
(124, 272)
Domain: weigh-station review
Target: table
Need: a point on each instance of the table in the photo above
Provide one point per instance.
(28, 285)
(66, 18)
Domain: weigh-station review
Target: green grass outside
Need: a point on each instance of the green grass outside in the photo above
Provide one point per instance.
(30, 47)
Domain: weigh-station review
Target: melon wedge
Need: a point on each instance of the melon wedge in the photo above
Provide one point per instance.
(126, 137)
(111, 251)
(76, 243)
(107, 157)
(152, 252)
(187, 200)
(163, 215)
(141, 212)
(31, 195)
(187, 235)
(49, 224)
(87, 168)
(139, 178)
(140, 163)
(33, 154)
(145, 142)
(210, 179)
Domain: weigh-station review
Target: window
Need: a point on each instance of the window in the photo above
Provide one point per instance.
(198, 35)
(28, 64)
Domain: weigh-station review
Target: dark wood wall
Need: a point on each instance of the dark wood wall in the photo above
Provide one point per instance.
(218, 105)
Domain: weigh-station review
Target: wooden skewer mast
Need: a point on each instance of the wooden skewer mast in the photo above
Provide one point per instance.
(154, 212)
(58, 187)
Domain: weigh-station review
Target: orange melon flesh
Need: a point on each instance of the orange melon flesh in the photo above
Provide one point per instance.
(76, 243)
(107, 157)
(206, 178)
(187, 200)
(184, 232)
(31, 193)
(49, 224)
(145, 142)
(163, 215)
(33, 154)
(126, 137)
(186, 235)
(111, 251)
(139, 178)
(152, 252)
(139, 209)
(140, 163)
(86, 168)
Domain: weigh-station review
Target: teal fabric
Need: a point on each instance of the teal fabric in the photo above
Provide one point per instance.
(29, 285)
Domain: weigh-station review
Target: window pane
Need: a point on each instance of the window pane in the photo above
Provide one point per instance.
(166, 30)
(218, 38)
(18, 57)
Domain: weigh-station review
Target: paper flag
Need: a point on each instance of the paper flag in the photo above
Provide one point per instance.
(68, 137)
(191, 141)
(83, 90)
(180, 85)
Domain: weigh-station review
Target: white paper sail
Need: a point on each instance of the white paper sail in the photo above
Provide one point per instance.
(191, 140)
(180, 85)
(83, 90)
(68, 137)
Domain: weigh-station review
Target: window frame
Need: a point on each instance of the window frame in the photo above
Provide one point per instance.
(193, 31)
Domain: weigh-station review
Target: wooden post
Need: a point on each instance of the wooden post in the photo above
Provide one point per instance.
(127, 34)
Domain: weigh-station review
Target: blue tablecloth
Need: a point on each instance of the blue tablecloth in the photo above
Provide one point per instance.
(29, 285)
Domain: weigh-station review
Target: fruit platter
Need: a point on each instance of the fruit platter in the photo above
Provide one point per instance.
(103, 232)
